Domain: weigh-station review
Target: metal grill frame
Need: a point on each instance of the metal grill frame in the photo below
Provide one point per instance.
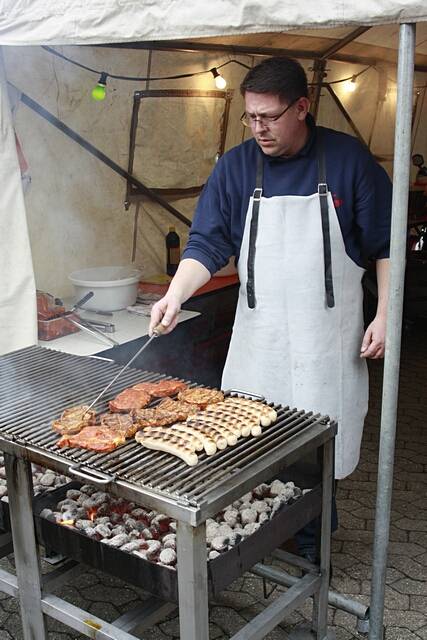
(191, 530)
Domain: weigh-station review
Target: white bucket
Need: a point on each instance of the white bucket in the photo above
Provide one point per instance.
(114, 288)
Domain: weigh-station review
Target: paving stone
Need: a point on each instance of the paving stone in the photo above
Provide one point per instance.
(227, 619)
(349, 521)
(13, 626)
(411, 525)
(343, 583)
(409, 586)
(418, 603)
(400, 633)
(102, 594)
(409, 567)
(349, 505)
(411, 620)
(420, 538)
(409, 549)
(237, 600)
(343, 561)
(422, 633)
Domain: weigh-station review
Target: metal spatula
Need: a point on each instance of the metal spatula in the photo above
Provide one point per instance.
(157, 331)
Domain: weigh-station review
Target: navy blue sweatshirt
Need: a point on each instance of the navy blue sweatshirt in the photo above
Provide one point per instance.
(360, 188)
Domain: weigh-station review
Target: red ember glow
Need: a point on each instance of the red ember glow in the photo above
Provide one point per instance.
(91, 513)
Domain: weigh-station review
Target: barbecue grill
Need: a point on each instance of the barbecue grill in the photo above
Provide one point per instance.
(37, 384)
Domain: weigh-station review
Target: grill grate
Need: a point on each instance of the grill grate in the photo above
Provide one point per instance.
(37, 384)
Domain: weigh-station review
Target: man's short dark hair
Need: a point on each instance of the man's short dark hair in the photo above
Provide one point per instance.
(279, 75)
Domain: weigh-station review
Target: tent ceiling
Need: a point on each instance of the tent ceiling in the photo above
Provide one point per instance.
(377, 43)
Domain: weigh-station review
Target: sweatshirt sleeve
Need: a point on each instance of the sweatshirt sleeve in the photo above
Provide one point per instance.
(373, 193)
(209, 241)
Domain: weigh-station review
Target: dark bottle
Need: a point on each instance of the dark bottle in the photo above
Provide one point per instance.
(173, 252)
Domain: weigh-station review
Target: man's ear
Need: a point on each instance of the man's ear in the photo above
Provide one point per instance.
(303, 107)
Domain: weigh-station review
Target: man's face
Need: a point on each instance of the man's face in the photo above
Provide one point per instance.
(283, 136)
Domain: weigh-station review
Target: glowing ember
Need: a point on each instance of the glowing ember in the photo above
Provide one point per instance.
(91, 514)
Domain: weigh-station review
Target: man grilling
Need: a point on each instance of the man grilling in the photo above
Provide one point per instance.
(303, 208)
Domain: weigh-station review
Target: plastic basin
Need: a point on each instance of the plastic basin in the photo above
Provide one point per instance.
(114, 288)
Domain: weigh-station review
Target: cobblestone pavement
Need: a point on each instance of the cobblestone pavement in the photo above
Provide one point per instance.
(406, 588)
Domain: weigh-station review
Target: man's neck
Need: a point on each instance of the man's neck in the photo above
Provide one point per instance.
(301, 140)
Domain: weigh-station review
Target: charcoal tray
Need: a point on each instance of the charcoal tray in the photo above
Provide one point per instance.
(161, 581)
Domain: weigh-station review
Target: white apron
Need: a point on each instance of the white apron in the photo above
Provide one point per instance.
(291, 347)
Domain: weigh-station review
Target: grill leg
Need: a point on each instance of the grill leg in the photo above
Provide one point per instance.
(320, 600)
(192, 582)
(20, 491)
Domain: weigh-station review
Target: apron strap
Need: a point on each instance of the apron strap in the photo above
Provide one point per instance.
(322, 188)
(256, 200)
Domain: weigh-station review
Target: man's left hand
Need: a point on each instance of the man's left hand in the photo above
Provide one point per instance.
(373, 344)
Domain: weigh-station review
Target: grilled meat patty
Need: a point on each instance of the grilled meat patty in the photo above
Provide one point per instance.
(162, 388)
(128, 400)
(73, 420)
(99, 438)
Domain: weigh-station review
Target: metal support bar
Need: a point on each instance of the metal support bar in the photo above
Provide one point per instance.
(8, 583)
(318, 76)
(192, 582)
(279, 576)
(344, 112)
(402, 152)
(329, 52)
(81, 620)
(320, 603)
(20, 491)
(268, 619)
(182, 45)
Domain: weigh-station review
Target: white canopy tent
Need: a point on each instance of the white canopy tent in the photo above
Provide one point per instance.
(30, 22)
(270, 26)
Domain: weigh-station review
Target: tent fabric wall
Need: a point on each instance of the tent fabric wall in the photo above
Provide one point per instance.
(24, 22)
(18, 327)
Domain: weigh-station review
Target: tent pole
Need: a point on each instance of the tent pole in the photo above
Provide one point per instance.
(402, 152)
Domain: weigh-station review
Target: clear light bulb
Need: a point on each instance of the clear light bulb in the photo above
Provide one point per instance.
(99, 91)
(350, 85)
(220, 82)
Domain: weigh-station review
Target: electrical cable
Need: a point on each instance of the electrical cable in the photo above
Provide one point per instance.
(180, 75)
(139, 78)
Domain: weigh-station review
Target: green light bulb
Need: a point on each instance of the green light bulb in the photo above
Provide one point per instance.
(98, 92)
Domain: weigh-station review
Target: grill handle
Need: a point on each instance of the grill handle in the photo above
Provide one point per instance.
(91, 475)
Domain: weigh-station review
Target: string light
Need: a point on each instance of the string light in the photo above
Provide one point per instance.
(99, 90)
(350, 85)
(220, 82)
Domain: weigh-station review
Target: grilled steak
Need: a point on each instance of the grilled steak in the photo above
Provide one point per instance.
(128, 400)
(201, 396)
(162, 388)
(156, 417)
(73, 420)
(121, 422)
(100, 439)
(182, 410)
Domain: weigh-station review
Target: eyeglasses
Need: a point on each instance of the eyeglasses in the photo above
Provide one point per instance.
(249, 120)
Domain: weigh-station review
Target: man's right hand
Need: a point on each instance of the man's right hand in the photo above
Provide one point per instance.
(165, 311)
